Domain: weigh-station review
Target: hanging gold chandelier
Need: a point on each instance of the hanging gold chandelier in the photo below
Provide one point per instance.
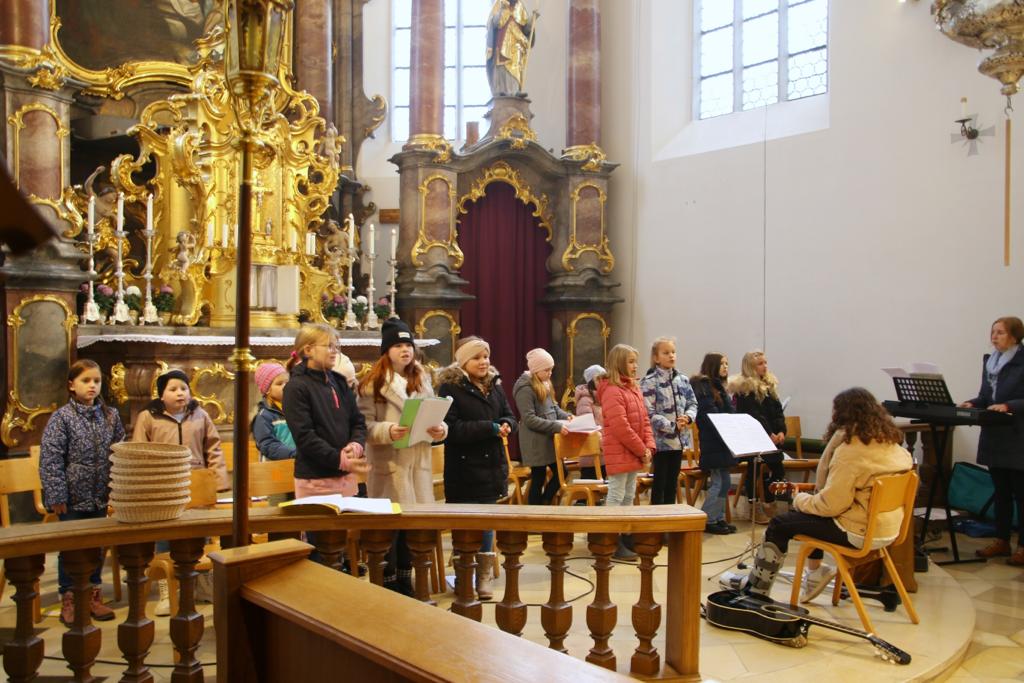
(996, 25)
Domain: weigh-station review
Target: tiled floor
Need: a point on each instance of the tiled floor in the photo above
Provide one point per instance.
(973, 612)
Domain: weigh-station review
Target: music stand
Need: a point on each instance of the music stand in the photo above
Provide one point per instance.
(924, 392)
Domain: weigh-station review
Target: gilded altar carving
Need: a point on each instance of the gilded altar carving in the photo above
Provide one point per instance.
(211, 403)
(502, 172)
(517, 130)
(432, 187)
(447, 347)
(591, 156)
(49, 78)
(379, 111)
(570, 333)
(432, 142)
(17, 123)
(36, 355)
(119, 383)
(600, 246)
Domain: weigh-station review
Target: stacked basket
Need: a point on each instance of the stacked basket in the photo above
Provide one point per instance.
(149, 482)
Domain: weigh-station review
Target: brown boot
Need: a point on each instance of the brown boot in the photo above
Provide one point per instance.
(1017, 559)
(997, 548)
(763, 513)
(100, 612)
(67, 608)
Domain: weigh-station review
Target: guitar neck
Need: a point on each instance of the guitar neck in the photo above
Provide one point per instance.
(901, 656)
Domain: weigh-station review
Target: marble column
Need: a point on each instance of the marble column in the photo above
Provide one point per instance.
(426, 82)
(25, 23)
(314, 63)
(583, 105)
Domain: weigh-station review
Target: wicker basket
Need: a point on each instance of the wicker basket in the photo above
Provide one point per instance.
(122, 470)
(159, 485)
(156, 511)
(143, 450)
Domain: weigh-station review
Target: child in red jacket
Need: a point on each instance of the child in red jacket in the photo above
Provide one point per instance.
(626, 439)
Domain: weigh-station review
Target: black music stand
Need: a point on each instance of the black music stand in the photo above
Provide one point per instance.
(933, 390)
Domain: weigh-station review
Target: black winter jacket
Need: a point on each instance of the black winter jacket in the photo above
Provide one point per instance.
(714, 454)
(323, 418)
(1002, 446)
(767, 411)
(475, 469)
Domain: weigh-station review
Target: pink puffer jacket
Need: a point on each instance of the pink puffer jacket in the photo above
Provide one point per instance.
(627, 429)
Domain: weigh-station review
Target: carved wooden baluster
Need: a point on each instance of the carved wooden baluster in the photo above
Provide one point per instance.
(377, 543)
(24, 652)
(186, 626)
(510, 613)
(135, 635)
(81, 642)
(329, 544)
(646, 613)
(602, 613)
(421, 544)
(466, 545)
(556, 613)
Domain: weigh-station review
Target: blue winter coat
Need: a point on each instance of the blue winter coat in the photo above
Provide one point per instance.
(668, 395)
(270, 430)
(74, 457)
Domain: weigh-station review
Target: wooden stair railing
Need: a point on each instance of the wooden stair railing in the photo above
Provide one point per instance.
(23, 549)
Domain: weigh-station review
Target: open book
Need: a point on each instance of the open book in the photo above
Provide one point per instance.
(338, 504)
(419, 415)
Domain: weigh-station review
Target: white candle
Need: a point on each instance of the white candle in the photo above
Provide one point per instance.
(394, 243)
(120, 212)
(373, 249)
(149, 212)
(209, 233)
(92, 215)
(963, 107)
(224, 237)
(294, 240)
(351, 236)
(310, 243)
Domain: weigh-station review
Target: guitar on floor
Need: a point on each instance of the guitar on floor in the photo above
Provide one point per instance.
(763, 617)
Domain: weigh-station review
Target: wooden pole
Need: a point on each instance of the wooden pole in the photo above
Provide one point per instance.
(242, 356)
(1006, 198)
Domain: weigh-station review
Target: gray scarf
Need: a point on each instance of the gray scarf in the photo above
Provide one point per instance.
(995, 363)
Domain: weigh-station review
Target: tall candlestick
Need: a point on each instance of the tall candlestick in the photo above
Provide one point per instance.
(394, 244)
(350, 316)
(149, 312)
(351, 234)
(372, 323)
(92, 310)
(373, 248)
(120, 307)
(91, 226)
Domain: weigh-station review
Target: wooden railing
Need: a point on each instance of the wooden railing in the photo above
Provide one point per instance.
(23, 549)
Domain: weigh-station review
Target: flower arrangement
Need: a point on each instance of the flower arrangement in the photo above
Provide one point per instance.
(333, 307)
(383, 307)
(103, 295)
(164, 299)
(133, 298)
(360, 307)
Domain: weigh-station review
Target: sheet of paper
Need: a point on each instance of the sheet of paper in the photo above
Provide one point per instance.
(583, 424)
(420, 414)
(896, 372)
(742, 434)
(929, 369)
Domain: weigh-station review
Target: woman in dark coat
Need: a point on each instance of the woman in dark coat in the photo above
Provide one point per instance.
(756, 391)
(1001, 447)
(475, 469)
(715, 457)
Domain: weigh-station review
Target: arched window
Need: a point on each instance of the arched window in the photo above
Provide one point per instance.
(752, 53)
(466, 92)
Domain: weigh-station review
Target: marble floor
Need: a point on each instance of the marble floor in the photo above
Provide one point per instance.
(972, 625)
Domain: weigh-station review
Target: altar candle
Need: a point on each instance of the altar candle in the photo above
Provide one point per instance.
(120, 212)
(91, 226)
(209, 233)
(149, 212)
(373, 249)
(963, 108)
(294, 240)
(351, 235)
(394, 243)
(224, 237)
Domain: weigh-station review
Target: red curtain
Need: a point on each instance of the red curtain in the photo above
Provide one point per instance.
(505, 250)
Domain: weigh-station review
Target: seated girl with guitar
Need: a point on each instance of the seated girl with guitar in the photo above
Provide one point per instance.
(863, 443)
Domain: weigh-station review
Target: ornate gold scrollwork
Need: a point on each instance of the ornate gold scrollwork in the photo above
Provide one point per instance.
(49, 78)
(570, 333)
(118, 383)
(362, 370)
(161, 368)
(575, 248)
(517, 129)
(502, 172)
(17, 123)
(592, 156)
(423, 242)
(453, 327)
(12, 418)
(380, 112)
(432, 142)
(208, 401)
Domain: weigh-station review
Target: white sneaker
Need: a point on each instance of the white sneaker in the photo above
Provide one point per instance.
(816, 581)
(732, 580)
(163, 606)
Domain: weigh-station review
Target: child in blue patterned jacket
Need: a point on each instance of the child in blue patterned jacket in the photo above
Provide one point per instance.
(671, 406)
(269, 428)
(74, 468)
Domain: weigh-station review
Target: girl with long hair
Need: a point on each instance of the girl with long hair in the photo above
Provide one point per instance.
(715, 458)
(539, 422)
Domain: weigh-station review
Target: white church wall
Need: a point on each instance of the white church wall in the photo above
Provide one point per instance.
(867, 243)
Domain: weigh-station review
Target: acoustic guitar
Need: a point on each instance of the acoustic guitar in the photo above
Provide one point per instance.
(763, 617)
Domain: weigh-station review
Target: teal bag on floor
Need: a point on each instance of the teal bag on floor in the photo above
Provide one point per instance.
(971, 489)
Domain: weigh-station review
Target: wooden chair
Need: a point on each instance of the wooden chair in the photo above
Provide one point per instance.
(270, 477)
(518, 478)
(798, 463)
(21, 475)
(437, 468)
(891, 492)
(204, 495)
(579, 447)
(228, 449)
(692, 479)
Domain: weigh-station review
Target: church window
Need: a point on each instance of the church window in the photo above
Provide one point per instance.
(753, 53)
(466, 92)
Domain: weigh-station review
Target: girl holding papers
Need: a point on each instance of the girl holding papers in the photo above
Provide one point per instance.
(401, 474)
